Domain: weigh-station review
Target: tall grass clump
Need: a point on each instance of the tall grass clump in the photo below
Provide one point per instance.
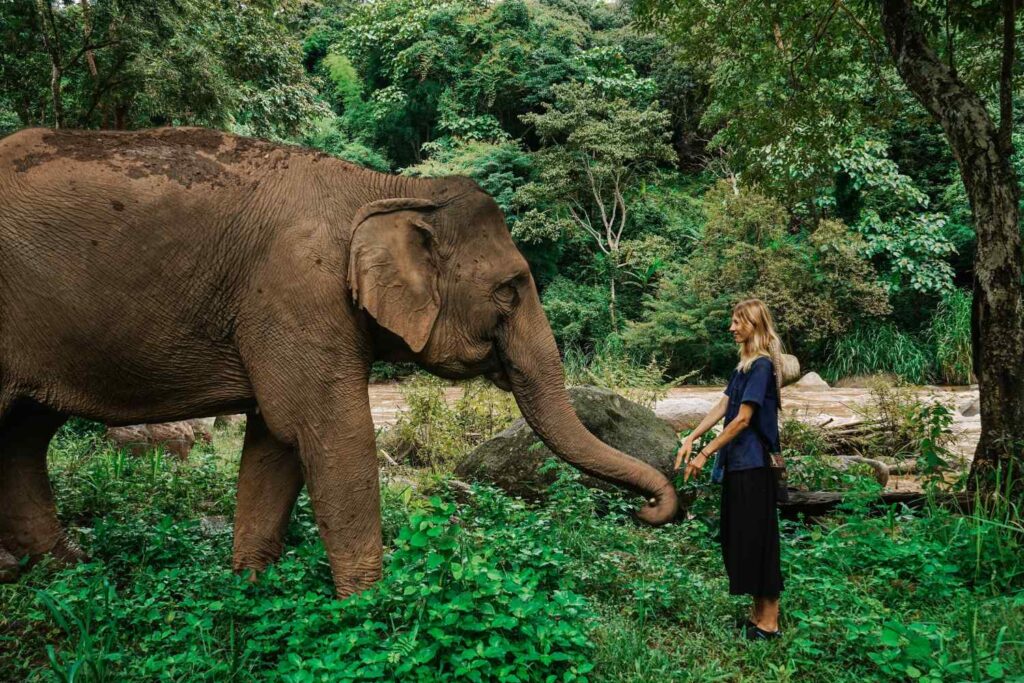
(610, 366)
(436, 431)
(950, 337)
(873, 349)
(92, 480)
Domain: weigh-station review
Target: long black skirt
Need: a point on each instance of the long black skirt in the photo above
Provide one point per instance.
(750, 533)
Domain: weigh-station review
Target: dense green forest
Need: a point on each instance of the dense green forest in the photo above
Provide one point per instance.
(651, 177)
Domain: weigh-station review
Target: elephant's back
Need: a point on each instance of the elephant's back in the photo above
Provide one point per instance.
(140, 186)
(184, 156)
(123, 255)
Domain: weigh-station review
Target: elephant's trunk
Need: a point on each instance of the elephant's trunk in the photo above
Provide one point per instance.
(535, 371)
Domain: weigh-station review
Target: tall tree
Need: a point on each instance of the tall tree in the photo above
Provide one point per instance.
(982, 150)
(105, 63)
(598, 151)
(846, 54)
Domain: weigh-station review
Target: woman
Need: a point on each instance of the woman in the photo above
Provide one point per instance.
(750, 529)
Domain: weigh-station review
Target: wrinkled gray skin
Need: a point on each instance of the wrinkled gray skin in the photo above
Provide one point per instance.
(173, 273)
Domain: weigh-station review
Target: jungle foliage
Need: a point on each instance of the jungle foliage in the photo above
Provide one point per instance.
(651, 179)
(494, 589)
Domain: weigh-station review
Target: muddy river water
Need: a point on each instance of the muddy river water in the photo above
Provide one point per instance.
(814, 405)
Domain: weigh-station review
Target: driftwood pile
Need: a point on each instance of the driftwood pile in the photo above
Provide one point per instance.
(853, 442)
(818, 503)
(862, 442)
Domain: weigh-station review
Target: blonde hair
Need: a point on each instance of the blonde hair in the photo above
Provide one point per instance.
(764, 341)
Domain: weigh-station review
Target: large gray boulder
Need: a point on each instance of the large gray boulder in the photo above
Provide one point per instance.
(686, 412)
(513, 458)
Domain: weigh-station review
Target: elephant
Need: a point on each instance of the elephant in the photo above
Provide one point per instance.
(173, 273)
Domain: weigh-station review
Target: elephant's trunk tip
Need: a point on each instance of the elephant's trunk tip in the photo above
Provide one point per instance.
(662, 508)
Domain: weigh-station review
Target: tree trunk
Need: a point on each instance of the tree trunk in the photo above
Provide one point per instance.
(983, 156)
(611, 304)
(58, 103)
(90, 58)
(52, 45)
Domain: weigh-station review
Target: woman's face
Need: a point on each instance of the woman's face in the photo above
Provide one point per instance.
(741, 330)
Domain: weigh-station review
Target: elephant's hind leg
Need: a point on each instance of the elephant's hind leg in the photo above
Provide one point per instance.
(28, 515)
(269, 481)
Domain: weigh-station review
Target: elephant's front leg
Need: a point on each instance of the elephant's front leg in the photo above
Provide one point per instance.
(269, 481)
(339, 460)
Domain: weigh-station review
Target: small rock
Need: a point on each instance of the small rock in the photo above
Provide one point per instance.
(229, 421)
(176, 438)
(214, 525)
(812, 380)
(971, 409)
(203, 428)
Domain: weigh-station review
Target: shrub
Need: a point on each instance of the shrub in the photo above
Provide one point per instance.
(499, 589)
(578, 313)
(950, 336)
(91, 480)
(440, 431)
(610, 366)
(816, 286)
(454, 604)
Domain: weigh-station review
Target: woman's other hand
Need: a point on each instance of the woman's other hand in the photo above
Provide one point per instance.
(694, 466)
(684, 451)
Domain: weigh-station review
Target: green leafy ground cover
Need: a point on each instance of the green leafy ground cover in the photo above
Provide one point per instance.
(494, 589)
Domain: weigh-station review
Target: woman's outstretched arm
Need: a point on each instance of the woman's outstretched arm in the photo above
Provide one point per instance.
(716, 413)
(735, 426)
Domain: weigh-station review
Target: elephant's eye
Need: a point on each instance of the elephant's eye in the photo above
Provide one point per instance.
(507, 295)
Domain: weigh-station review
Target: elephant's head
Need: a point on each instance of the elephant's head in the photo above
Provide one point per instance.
(448, 286)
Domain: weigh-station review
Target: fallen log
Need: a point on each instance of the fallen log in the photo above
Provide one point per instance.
(880, 468)
(817, 503)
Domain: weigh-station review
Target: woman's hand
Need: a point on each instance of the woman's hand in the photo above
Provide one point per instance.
(684, 451)
(694, 466)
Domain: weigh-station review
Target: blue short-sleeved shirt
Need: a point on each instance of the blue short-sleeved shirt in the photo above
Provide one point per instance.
(757, 387)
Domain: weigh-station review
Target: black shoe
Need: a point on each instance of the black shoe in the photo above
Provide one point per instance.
(755, 632)
(744, 624)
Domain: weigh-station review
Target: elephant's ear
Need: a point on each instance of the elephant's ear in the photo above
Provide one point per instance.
(392, 267)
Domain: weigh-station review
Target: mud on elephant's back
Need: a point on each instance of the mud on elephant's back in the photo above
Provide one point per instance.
(512, 460)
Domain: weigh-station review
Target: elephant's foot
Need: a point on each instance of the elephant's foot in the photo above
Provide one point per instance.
(64, 551)
(358, 575)
(61, 549)
(252, 555)
(9, 569)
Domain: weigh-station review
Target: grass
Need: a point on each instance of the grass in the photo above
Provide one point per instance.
(873, 349)
(950, 336)
(492, 588)
(610, 366)
(941, 354)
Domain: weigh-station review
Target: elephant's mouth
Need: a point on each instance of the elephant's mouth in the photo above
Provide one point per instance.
(490, 367)
(500, 379)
